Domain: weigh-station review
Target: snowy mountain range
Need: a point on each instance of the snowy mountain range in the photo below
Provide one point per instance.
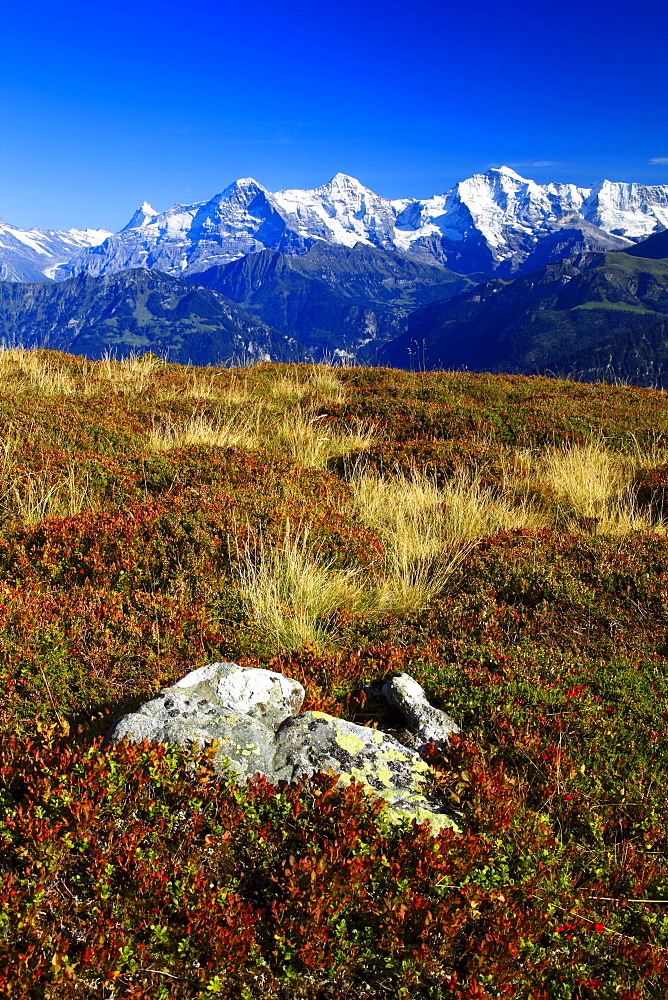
(496, 222)
(36, 254)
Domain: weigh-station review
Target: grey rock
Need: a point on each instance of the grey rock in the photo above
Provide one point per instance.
(136, 728)
(250, 716)
(242, 743)
(262, 694)
(238, 707)
(318, 742)
(425, 722)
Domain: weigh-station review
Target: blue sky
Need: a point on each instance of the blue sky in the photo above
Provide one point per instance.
(104, 106)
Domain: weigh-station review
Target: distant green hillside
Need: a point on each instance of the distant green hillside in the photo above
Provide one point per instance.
(597, 314)
(333, 298)
(655, 247)
(136, 311)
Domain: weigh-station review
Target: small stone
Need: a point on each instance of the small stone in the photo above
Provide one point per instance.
(428, 724)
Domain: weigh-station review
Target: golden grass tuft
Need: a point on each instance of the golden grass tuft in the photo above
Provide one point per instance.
(312, 439)
(36, 370)
(236, 430)
(427, 530)
(201, 384)
(33, 498)
(592, 485)
(293, 592)
(133, 375)
(320, 385)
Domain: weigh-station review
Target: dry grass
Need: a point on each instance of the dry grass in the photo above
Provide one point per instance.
(427, 530)
(284, 417)
(312, 440)
(294, 592)
(43, 372)
(216, 386)
(321, 385)
(33, 498)
(414, 508)
(23, 369)
(570, 487)
(239, 429)
(407, 515)
(198, 386)
(279, 420)
(592, 484)
(133, 375)
(586, 478)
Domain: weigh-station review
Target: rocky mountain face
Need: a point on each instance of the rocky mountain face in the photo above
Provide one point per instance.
(138, 310)
(35, 254)
(496, 222)
(336, 301)
(592, 315)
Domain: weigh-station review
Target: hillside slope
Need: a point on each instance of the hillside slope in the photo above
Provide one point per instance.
(137, 311)
(653, 248)
(500, 538)
(336, 301)
(602, 312)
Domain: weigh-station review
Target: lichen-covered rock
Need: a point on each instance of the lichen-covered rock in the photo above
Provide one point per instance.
(243, 743)
(250, 715)
(315, 741)
(262, 694)
(423, 720)
(238, 707)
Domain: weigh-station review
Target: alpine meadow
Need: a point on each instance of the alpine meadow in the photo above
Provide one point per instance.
(502, 539)
(334, 500)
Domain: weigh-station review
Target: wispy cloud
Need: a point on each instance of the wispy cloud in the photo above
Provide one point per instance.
(663, 160)
(536, 163)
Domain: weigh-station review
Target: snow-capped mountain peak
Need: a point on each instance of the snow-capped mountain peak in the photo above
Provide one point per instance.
(507, 172)
(345, 184)
(244, 187)
(341, 211)
(627, 209)
(141, 217)
(492, 221)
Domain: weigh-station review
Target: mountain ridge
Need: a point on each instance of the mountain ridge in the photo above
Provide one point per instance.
(338, 302)
(138, 310)
(492, 222)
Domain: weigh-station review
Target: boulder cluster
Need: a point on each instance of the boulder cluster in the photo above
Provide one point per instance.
(252, 717)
